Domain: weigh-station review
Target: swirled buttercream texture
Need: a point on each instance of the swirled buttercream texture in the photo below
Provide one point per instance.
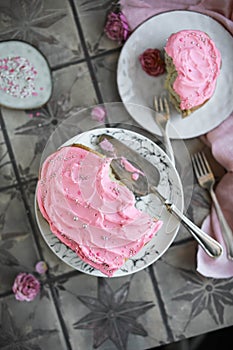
(90, 211)
(197, 61)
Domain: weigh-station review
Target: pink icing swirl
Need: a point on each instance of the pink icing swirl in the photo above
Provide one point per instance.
(89, 211)
(198, 62)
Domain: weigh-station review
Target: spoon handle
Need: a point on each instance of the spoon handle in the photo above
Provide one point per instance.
(211, 247)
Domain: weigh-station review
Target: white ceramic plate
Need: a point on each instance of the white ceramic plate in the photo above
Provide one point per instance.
(137, 87)
(40, 83)
(170, 186)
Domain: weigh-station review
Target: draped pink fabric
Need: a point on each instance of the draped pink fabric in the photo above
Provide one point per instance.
(137, 11)
(221, 142)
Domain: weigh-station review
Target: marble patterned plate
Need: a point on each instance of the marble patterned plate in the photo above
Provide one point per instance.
(25, 77)
(170, 186)
(137, 87)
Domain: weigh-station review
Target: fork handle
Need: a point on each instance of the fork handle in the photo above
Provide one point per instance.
(225, 228)
(169, 149)
(211, 247)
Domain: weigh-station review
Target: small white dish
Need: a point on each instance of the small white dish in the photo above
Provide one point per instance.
(25, 77)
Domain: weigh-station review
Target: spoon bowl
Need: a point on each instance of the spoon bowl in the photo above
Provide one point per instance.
(142, 187)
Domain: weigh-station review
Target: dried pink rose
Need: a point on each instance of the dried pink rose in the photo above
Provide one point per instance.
(152, 62)
(98, 113)
(26, 287)
(116, 27)
(41, 267)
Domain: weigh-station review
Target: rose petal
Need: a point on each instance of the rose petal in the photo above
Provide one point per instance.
(41, 267)
(98, 113)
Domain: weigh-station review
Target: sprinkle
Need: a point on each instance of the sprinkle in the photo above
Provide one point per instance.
(116, 190)
(85, 225)
(17, 77)
(82, 177)
(105, 238)
(132, 252)
(75, 218)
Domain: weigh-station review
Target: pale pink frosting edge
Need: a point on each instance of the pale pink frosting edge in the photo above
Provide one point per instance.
(198, 63)
(114, 259)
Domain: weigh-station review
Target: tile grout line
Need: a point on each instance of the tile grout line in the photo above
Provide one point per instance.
(87, 58)
(19, 183)
(32, 225)
(161, 305)
(83, 60)
(60, 316)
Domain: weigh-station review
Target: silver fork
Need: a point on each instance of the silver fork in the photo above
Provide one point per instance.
(162, 117)
(206, 180)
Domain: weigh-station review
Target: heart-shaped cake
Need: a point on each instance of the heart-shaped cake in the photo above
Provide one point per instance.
(90, 211)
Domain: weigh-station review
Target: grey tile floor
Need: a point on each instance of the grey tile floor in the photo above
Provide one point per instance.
(167, 301)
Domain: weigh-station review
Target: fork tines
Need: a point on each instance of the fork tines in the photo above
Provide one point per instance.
(161, 105)
(156, 104)
(200, 164)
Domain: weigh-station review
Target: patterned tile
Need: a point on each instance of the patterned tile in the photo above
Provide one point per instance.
(23, 133)
(105, 70)
(196, 201)
(167, 301)
(127, 302)
(92, 15)
(17, 249)
(73, 87)
(44, 24)
(30, 325)
(7, 175)
(194, 304)
(30, 130)
(55, 265)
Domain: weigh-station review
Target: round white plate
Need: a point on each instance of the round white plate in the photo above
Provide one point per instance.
(137, 87)
(41, 81)
(170, 186)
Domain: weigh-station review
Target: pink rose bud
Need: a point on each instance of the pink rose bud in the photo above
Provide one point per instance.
(98, 113)
(116, 27)
(26, 287)
(41, 267)
(152, 62)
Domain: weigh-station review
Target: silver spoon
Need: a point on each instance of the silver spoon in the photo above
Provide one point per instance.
(148, 183)
(142, 187)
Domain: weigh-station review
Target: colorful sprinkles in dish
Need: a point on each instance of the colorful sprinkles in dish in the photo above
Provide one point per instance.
(17, 77)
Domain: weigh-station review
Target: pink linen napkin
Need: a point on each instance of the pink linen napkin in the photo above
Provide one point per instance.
(137, 11)
(220, 139)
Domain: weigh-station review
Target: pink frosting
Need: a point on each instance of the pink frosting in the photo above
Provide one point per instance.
(198, 62)
(89, 211)
(129, 167)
